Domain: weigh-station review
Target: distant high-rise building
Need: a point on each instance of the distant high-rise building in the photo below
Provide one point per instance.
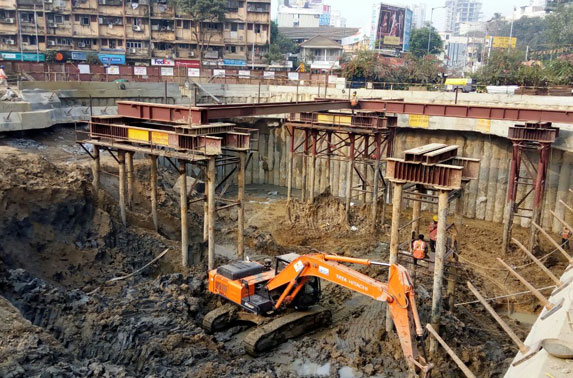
(418, 15)
(461, 11)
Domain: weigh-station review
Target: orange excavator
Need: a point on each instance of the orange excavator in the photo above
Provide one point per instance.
(282, 301)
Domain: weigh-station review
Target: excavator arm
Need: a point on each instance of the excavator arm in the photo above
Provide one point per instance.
(398, 292)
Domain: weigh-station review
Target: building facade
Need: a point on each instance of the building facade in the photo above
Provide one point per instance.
(418, 16)
(137, 30)
(461, 11)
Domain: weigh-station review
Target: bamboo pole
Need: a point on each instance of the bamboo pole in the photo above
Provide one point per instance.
(452, 354)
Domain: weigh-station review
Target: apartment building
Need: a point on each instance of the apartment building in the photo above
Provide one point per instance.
(133, 31)
(460, 11)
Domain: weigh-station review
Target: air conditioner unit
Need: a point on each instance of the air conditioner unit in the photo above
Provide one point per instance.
(137, 28)
(9, 20)
(9, 42)
(133, 50)
(48, 1)
(191, 54)
(81, 44)
(51, 43)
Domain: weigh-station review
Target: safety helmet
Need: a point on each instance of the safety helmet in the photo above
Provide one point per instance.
(435, 218)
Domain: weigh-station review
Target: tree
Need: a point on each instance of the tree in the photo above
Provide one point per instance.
(502, 68)
(419, 42)
(560, 26)
(280, 45)
(206, 15)
(362, 67)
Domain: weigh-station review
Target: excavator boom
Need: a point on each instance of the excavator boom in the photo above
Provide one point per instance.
(398, 292)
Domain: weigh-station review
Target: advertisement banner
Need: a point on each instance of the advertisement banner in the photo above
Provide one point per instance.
(162, 62)
(79, 55)
(293, 75)
(188, 63)
(244, 74)
(193, 72)
(388, 27)
(234, 62)
(407, 30)
(166, 71)
(111, 58)
(26, 57)
(112, 70)
(84, 68)
(268, 74)
(219, 73)
(140, 71)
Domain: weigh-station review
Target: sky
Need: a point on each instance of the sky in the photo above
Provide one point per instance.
(357, 12)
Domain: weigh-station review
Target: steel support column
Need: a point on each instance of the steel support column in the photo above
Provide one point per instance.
(241, 209)
(153, 182)
(183, 204)
(312, 167)
(211, 212)
(511, 195)
(290, 164)
(130, 180)
(96, 168)
(328, 161)
(394, 237)
(542, 167)
(350, 171)
(439, 265)
(375, 179)
(122, 210)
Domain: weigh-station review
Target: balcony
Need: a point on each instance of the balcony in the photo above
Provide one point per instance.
(64, 30)
(7, 4)
(85, 47)
(137, 31)
(238, 37)
(111, 31)
(30, 4)
(162, 10)
(133, 52)
(88, 31)
(31, 28)
(260, 18)
(186, 35)
(84, 5)
(163, 35)
(137, 9)
(6, 28)
(163, 53)
(186, 53)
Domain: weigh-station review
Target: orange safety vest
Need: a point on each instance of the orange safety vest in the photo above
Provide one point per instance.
(419, 249)
(566, 233)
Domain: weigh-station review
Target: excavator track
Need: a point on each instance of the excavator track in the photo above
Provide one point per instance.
(219, 318)
(267, 336)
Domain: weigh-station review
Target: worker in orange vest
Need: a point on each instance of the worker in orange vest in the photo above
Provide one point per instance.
(419, 248)
(433, 233)
(565, 236)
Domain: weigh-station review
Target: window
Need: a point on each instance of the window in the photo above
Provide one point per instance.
(112, 43)
(241, 26)
(58, 19)
(231, 49)
(242, 48)
(85, 21)
(93, 18)
(234, 27)
(133, 44)
(265, 27)
(179, 23)
(186, 24)
(104, 42)
(257, 28)
(227, 26)
(249, 26)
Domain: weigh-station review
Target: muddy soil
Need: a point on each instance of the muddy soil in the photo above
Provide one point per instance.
(60, 243)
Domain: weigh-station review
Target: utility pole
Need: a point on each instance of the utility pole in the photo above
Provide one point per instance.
(430, 26)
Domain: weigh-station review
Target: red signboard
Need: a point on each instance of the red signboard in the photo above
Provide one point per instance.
(188, 63)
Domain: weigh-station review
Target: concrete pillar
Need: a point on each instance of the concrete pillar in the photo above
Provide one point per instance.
(349, 172)
(542, 166)
(153, 181)
(96, 168)
(130, 178)
(365, 168)
(241, 200)
(290, 165)
(562, 188)
(122, 210)
(439, 265)
(508, 215)
(312, 168)
(394, 237)
(183, 205)
(211, 212)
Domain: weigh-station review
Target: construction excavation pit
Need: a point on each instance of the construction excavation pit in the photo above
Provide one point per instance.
(146, 245)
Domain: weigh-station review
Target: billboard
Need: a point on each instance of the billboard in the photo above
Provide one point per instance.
(390, 27)
(502, 42)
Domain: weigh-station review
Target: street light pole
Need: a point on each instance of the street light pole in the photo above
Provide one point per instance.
(430, 26)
